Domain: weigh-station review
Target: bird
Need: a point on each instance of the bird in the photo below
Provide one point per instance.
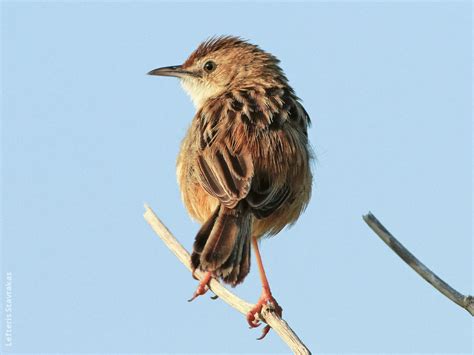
(244, 166)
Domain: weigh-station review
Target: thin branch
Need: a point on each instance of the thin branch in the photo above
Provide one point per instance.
(466, 302)
(267, 314)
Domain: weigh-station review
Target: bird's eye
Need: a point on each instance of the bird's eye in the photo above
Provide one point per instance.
(210, 66)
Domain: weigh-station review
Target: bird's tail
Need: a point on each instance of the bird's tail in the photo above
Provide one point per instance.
(222, 245)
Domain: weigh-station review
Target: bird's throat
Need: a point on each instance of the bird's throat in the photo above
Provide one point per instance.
(199, 91)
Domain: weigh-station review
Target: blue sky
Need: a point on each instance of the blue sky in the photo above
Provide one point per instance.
(87, 138)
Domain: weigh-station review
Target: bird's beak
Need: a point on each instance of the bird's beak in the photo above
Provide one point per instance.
(174, 70)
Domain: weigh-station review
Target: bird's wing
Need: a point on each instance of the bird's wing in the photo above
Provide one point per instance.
(224, 171)
(226, 168)
(266, 201)
(224, 174)
(266, 195)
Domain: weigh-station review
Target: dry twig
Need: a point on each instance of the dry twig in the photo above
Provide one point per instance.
(466, 302)
(267, 315)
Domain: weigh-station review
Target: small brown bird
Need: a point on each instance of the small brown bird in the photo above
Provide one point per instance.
(244, 165)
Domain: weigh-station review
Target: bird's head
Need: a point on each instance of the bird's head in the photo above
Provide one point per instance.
(225, 63)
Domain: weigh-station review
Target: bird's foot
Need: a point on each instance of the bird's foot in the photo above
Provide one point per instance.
(265, 300)
(202, 287)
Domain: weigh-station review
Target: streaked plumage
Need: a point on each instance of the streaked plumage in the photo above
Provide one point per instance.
(244, 165)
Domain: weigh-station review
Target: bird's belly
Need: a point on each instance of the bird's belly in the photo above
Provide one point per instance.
(197, 201)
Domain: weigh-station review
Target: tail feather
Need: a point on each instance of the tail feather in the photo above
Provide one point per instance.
(222, 245)
(232, 264)
(204, 232)
(221, 241)
(241, 265)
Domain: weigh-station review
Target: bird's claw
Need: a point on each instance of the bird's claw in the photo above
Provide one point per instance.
(201, 290)
(251, 320)
(265, 300)
(264, 332)
(202, 287)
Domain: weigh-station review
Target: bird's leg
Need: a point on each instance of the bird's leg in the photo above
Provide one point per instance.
(203, 285)
(265, 299)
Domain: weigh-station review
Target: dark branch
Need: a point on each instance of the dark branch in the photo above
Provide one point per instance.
(466, 302)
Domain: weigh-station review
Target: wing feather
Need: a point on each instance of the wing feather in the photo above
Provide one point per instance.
(225, 160)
